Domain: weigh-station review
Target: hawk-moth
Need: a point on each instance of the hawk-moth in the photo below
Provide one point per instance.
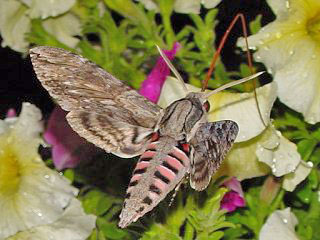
(172, 142)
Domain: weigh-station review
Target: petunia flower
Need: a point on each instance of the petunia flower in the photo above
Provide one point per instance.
(15, 21)
(31, 194)
(279, 225)
(183, 6)
(74, 224)
(290, 48)
(151, 87)
(234, 198)
(68, 148)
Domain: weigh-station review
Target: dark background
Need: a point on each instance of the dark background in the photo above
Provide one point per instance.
(18, 82)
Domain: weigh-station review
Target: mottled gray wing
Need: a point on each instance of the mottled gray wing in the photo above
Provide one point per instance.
(210, 144)
(102, 108)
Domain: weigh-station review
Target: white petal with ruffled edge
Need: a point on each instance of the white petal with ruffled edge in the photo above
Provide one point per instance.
(31, 194)
(291, 180)
(242, 108)
(74, 224)
(14, 24)
(282, 157)
(290, 52)
(279, 225)
(48, 8)
(64, 28)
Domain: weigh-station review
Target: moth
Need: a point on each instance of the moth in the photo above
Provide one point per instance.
(173, 142)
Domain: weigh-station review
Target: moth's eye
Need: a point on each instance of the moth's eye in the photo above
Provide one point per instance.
(206, 106)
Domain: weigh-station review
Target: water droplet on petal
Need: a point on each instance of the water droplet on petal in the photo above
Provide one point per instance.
(298, 22)
(269, 70)
(266, 48)
(287, 4)
(285, 220)
(310, 164)
(305, 75)
(274, 160)
(291, 52)
(278, 35)
(314, 56)
(258, 57)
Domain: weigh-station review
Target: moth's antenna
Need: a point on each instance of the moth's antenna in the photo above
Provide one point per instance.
(172, 68)
(231, 84)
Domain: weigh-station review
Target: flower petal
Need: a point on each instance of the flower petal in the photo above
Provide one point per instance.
(74, 224)
(291, 180)
(14, 24)
(173, 90)
(290, 49)
(242, 108)
(234, 185)
(279, 225)
(48, 8)
(187, 6)
(283, 158)
(64, 28)
(151, 87)
(68, 148)
(31, 194)
(210, 3)
(232, 200)
(242, 162)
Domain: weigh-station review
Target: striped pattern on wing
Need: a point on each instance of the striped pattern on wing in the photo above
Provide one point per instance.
(83, 88)
(211, 144)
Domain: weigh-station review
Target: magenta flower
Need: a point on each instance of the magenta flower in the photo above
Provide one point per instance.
(11, 113)
(68, 148)
(151, 87)
(234, 198)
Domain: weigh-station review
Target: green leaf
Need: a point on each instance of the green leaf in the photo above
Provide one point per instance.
(255, 25)
(306, 147)
(110, 230)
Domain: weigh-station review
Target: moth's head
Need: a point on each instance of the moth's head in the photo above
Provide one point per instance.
(201, 97)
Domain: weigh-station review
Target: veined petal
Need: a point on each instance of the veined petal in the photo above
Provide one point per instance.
(74, 224)
(242, 163)
(291, 180)
(47, 8)
(290, 49)
(64, 28)
(279, 225)
(282, 158)
(242, 108)
(31, 194)
(14, 24)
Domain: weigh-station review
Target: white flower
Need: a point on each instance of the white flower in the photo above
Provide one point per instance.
(31, 194)
(74, 224)
(279, 225)
(282, 157)
(290, 48)
(15, 22)
(183, 6)
(48, 8)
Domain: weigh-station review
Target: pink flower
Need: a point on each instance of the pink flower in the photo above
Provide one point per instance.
(234, 198)
(151, 87)
(68, 148)
(11, 113)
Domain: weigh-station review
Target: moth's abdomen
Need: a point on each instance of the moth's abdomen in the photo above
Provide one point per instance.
(160, 168)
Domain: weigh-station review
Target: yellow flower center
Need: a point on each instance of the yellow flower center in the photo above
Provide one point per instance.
(9, 170)
(313, 27)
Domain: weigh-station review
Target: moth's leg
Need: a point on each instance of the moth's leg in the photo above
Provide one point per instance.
(177, 188)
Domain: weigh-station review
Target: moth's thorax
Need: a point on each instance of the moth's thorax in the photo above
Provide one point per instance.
(182, 117)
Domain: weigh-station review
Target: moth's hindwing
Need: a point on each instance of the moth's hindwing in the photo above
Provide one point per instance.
(103, 109)
(210, 144)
